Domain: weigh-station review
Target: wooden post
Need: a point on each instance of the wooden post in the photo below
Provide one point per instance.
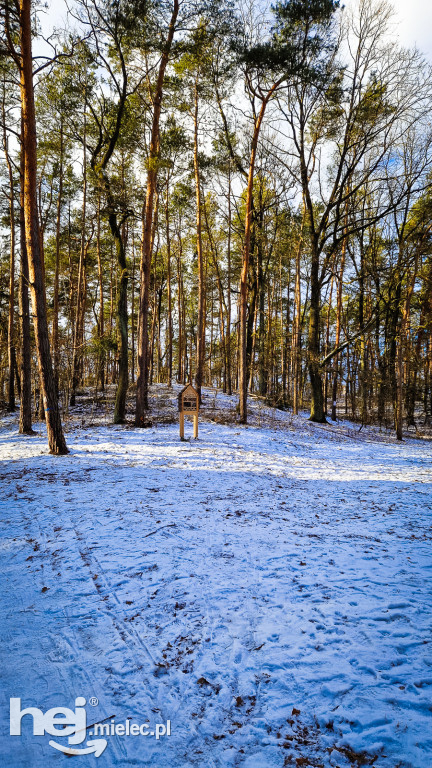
(195, 422)
(182, 437)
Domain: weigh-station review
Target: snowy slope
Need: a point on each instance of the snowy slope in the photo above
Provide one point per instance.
(268, 591)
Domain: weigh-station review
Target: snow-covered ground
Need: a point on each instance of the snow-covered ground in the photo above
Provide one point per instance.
(266, 589)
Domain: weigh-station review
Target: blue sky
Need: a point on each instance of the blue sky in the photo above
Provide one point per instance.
(414, 19)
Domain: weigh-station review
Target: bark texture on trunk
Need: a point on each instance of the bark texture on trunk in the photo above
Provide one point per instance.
(317, 397)
(55, 322)
(146, 249)
(243, 363)
(56, 441)
(11, 313)
(101, 329)
(200, 355)
(296, 334)
(122, 322)
(338, 332)
(25, 422)
(169, 290)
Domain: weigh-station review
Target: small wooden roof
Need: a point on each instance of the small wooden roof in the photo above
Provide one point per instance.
(189, 387)
(187, 391)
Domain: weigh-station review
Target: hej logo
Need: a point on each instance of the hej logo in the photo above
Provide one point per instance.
(59, 721)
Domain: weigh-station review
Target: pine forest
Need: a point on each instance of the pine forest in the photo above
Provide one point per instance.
(231, 194)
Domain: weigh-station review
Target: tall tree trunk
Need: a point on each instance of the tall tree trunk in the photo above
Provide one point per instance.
(153, 325)
(222, 303)
(228, 321)
(313, 345)
(11, 197)
(363, 377)
(283, 331)
(153, 283)
(313, 353)
(427, 394)
(262, 368)
(25, 422)
(56, 441)
(11, 313)
(393, 353)
(327, 342)
(146, 250)
(81, 287)
(169, 291)
(338, 330)
(41, 409)
(102, 355)
(181, 314)
(133, 307)
(243, 366)
(399, 384)
(403, 346)
(55, 322)
(286, 342)
(122, 322)
(200, 355)
(296, 337)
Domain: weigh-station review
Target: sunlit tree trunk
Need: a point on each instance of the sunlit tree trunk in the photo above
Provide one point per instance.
(169, 289)
(243, 367)
(228, 344)
(146, 250)
(11, 312)
(55, 322)
(180, 312)
(56, 439)
(296, 336)
(101, 355)
(338, 330)
(200, 357)
(133, 306)
(25, 422)
(78, 339)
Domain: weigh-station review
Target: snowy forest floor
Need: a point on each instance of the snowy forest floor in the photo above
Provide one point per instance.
(266, 588)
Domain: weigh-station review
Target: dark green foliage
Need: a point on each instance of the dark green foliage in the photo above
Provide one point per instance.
(300, 42)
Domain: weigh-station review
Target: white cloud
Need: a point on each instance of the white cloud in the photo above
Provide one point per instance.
(414, 24)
